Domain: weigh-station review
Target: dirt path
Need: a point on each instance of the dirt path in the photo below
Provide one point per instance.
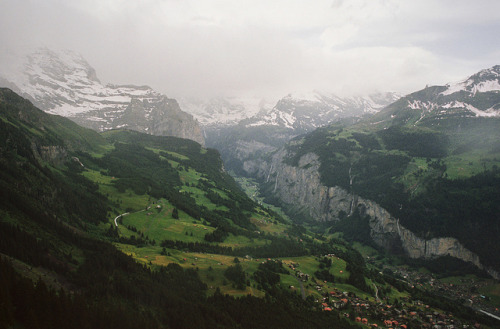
(302, 290)
(376, 292)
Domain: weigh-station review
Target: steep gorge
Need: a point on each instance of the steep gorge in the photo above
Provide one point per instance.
(300, 188)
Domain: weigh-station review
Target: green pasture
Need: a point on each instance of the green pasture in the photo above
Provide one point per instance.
(492, 291)
(309, 265)
(158, 224)
(364, 250)
(124, 200)
(103, 149)
(210, 267)
(266, 223)
(239, 241)
(470, 163)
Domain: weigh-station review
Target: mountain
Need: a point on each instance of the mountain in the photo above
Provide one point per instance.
(420, 177)
(305, 112)
(475, 96)
(63, 83)
(223, 111)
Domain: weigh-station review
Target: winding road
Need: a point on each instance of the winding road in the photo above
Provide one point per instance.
(116, 218)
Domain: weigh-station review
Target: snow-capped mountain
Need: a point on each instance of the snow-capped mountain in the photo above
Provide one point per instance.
(294, 111)
(475, 96)
(484, 81)
(63, 83)
(224, 110)
(309, 111)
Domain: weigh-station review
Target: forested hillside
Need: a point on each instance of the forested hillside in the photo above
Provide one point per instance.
(126, 230)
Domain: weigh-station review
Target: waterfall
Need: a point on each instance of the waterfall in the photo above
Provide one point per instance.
(276, 182)
(269, 174)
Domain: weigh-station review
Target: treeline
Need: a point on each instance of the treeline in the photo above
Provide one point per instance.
(267, 275)
(33, 189)
(139, 169)
(28, 305)
(279, 309)
(22, 245)
(417, 142)
(204, 247)
(279, 247)
(354, 227)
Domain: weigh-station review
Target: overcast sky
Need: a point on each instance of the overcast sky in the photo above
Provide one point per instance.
(265, 47)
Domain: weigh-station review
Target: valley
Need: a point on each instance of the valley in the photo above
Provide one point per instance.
(387, 220)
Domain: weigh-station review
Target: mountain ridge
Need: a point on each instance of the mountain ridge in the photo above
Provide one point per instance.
(63, 83)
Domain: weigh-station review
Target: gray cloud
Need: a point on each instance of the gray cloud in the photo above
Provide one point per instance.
(222, 47)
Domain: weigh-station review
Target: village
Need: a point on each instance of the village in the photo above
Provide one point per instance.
(405, 312)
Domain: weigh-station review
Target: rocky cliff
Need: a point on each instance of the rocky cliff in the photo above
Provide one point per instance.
(300, 188)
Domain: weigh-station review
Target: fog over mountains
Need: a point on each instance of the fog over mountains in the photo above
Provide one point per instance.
(64, 83)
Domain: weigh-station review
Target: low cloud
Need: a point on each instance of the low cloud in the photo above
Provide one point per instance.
(262, 48)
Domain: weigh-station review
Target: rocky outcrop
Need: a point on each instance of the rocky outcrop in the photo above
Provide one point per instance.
(53, 154)
(160, 117)
(300, 187)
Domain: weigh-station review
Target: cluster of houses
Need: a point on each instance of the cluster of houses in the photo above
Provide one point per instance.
(407, 314)
(465, 292)
(300, 275)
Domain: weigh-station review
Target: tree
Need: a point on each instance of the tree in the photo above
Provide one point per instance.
(175, 213)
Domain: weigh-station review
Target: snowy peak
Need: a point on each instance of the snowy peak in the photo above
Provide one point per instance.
(223, 110)
(66, 65)
(294, 111)
(484, 81)
(475, 96)
(307, 111)
(63, 83)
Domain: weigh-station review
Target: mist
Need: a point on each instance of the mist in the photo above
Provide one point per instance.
(262, 48)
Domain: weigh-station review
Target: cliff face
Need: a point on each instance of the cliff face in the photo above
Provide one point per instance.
(301, 188)
(160, 117)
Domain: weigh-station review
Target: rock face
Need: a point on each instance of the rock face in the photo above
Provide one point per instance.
(63, 83)
(300, 188)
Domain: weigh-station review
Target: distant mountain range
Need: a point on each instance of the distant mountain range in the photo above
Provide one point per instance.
(224, 111)
(63, 83)
(299, 111)
(309, 111)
